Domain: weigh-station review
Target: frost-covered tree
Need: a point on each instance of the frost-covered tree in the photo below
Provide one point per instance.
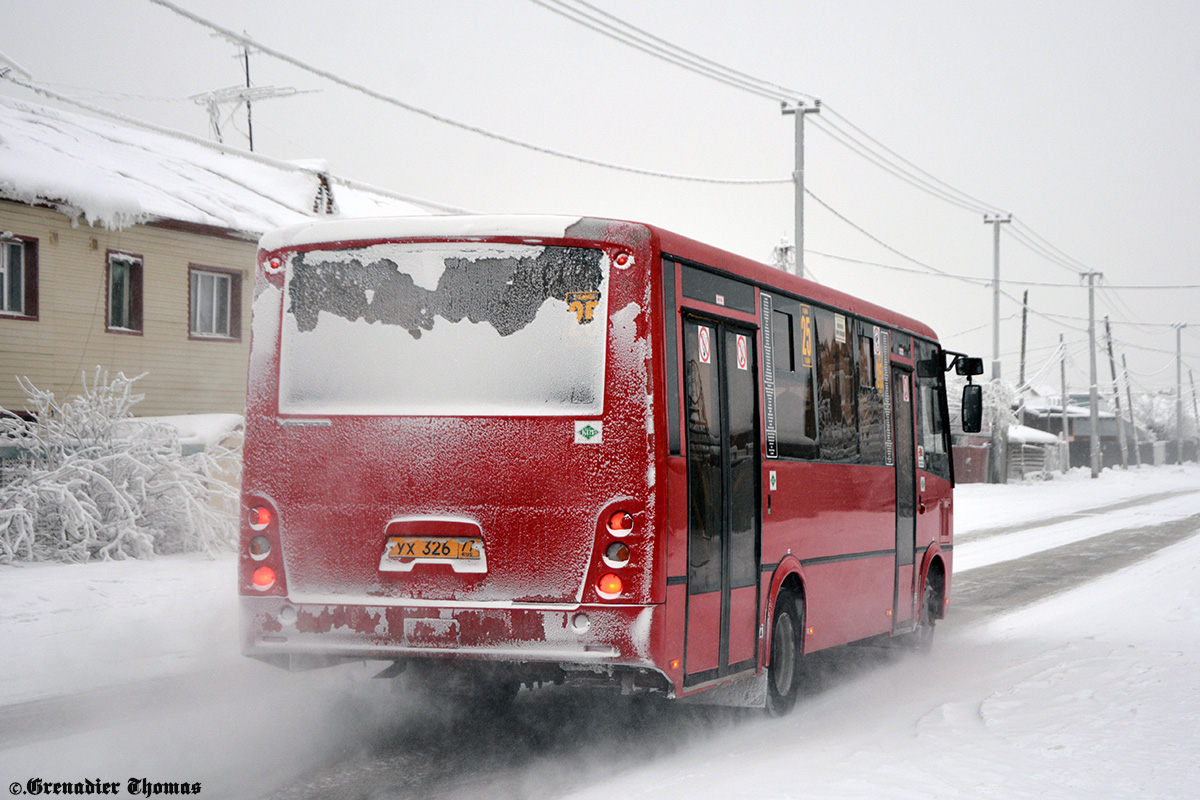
(999, 401)
(1157, 414)
(93, 482)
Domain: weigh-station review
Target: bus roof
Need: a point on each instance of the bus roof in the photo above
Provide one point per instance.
(557, 227)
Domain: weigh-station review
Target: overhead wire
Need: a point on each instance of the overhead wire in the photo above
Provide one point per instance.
(897, 171)
(299, 63)
(621, 31)
(831, 120)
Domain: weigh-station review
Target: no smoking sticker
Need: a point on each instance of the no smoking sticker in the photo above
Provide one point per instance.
(705, 349)
(743, 362)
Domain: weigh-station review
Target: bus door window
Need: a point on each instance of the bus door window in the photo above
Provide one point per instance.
(722, 453)
(906, 495)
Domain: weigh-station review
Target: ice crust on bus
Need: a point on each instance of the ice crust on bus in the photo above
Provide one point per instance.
(506, 330)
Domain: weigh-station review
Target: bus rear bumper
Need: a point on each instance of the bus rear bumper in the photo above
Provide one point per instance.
(279, 631)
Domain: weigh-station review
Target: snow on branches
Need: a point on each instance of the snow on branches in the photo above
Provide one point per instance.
(90, 481)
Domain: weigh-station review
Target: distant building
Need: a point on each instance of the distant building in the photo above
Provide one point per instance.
(1044, 412)
(134, 250)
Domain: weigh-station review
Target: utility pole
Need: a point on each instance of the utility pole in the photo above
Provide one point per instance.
(249, 118)
(996, 221)
(1195, 412)
(1066, 431)
(800, 109)
(1024, 331)
(1112, 365)
(1179, 326)
(1137, 445)
(1094, 394)
(1021, 382)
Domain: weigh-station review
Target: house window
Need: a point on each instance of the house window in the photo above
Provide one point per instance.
(18, 276)
(215, 303)
(124, 293)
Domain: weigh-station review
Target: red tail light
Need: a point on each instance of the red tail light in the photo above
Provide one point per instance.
(260, 517)
(609, 585)
(620, 523)
(264, 578)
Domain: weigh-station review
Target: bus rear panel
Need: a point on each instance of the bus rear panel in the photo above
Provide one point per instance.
(449, 450)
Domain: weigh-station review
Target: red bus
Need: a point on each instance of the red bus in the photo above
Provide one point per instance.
(499, 451)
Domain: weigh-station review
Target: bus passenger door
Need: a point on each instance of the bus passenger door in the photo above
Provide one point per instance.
(906, 498)
(723, 525)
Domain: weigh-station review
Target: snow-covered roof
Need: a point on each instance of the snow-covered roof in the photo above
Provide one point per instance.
(1022, 434)
(113, 175)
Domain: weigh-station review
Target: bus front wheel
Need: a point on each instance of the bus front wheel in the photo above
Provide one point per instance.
(783, 673)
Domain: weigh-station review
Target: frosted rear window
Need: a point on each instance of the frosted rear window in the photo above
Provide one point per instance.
(444, 329)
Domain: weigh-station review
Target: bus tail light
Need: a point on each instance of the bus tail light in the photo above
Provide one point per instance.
(609, 586)
(620, 567)
(261, 559)
(263, 578)
(260, 517)
(620, 523)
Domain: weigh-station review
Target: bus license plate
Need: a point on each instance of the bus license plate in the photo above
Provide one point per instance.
(462, 553)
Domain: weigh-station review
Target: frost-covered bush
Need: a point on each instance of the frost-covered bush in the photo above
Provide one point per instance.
(92, 482)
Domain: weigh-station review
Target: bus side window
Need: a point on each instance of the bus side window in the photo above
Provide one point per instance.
(932, 431)
(795, 410)
(837, 415)
(872, 420)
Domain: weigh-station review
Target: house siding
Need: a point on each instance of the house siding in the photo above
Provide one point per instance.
(184, 375)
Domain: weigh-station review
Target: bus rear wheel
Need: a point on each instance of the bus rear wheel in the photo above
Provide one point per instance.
(921, 638)
(783, 672)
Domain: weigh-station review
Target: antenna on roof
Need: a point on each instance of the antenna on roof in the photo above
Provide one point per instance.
(236, 95)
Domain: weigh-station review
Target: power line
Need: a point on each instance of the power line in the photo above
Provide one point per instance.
(621, 31)
(931, 188)
(907, 170)
(395, 101)
(879, 241)
(839, 128)
(832, 122)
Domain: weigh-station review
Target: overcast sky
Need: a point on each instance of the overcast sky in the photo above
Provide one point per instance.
(1081, 117)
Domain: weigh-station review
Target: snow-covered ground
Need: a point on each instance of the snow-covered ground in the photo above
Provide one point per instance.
(1090, 693)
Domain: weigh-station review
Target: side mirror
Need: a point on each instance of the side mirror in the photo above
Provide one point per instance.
(972, 405)
(928, 368)
(968, 366)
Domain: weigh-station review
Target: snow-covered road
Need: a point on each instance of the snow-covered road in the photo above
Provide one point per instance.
(131, 669)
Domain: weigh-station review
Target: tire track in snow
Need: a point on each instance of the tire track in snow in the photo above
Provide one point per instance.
(1008, 585)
